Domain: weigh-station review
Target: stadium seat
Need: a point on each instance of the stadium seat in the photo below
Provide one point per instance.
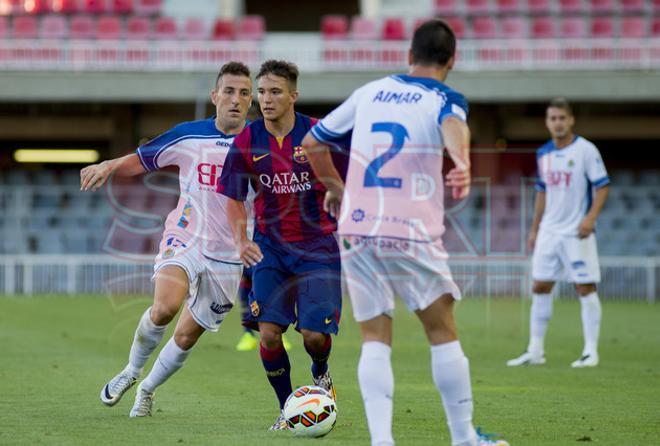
(513, 27)
(251, 27)
(458, 25)
(655, 27)
(94, 6)
(445, 8)
(36, 6)
(632, 5)
(571, 6)
(122, 6)
(363, 28)
(656, 6)
(394, 29)
(476, 7)
(543, 28)
(194, 28)
(334, 27)
(224, 29)
(573, 27)
(109, 28)
(138, 27)
(484, 27)
(633, 27)
(25, 27)
(4, 27)
(602, 27)
(82, 27)
(602, 6)
(508, 6)
(12, 7)
(147, 7)
(165, 28)
(54, 26)
(539, 6)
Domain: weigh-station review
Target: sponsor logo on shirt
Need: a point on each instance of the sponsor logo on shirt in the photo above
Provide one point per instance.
(358, 215)
(286, 182)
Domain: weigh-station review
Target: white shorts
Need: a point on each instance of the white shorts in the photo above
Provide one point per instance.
(378, 269)
(562, 257)
(213, 284)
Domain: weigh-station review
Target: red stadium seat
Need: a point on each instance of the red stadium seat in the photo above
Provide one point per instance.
(602, 27)
(571, 6)
(632, 5)
(194, 28)
(543, 28)
(224, 29)
(394, 29)
(148, 7)
(165, 28)
(484, 27)
(656, 6)
(82, 27)
(251, 27)
(54, 26)
(122, 6)
(94, 6)
(334, 27)
(478, 6)
(363, 28)
(457, 24)
(11, 7)
(508, 6)
(138, 28)
(633, 27)
(538, 6)
(573, 27)
(655, 27)
(602, 6)
(65, 6)
(36, 6)
(24, 27)
(446, 7)
(109, 28)
(513, 28)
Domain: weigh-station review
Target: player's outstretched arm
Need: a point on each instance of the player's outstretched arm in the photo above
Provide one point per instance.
(456, 135)
(324, 169)
(539, 209)
(248, 250)
(589, 222)
(94, 176)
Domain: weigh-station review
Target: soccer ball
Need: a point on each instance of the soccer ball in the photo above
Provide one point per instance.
(310, 411)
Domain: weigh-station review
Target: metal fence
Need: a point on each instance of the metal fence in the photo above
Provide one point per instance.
(623, 278)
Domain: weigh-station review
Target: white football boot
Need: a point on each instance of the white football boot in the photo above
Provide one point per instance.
(586, 360)
(280, 424)
(112, 392)
(526, 358)
(144, 402)
(489, 440)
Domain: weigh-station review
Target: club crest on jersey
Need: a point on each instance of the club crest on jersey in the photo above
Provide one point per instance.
(254, 309)
(570, 163)
(299, 155)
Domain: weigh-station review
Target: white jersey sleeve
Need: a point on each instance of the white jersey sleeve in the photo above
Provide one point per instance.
(339, 123)
(595, 168)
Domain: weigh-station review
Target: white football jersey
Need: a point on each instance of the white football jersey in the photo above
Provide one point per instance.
(568, 177)
(394, 184)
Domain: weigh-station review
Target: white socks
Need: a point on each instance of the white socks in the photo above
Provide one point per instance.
(146, 339)
(591, 314)
(451, 375)
(539, 317)
(169, 360)
(377, 386)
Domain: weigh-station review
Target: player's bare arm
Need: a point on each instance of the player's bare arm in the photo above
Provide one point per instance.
(456, 135)
(94, 176)
(589, 222)
(249, 251)
(324, 169)
(539, 208)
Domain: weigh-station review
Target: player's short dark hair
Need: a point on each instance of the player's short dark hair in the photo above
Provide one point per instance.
(561, 103)
(233, 67)
(282, 68)
(434, 42)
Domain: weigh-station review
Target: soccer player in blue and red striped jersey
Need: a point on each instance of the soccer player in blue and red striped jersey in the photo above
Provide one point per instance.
(294, 255)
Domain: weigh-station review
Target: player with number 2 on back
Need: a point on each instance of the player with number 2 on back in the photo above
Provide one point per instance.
(391, 222)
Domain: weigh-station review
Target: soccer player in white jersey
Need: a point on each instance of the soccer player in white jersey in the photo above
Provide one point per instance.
(197, 258)
(562, 236)
(390, 215)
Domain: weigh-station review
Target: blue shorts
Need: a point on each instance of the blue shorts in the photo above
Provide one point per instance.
(289, 287)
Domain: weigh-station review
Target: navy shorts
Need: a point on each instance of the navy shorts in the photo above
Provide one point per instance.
(292, 287)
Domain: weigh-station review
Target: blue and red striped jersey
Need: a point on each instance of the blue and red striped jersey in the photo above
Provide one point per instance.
(288, 205)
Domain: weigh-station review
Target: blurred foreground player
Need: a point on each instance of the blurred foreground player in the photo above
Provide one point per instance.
(294, 256)
(198, 259)
(392, 222)
(570, 169)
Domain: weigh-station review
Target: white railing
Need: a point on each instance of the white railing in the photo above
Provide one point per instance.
(473, 55)
(623, 278)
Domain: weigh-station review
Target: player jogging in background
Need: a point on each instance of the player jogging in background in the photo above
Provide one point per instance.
(197, 258)
(294, 255)
(392, 222)
(562, 236)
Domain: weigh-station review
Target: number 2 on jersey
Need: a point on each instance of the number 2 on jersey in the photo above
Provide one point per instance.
(399, 135)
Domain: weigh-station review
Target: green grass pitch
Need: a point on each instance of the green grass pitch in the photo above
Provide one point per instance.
(57, 352)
